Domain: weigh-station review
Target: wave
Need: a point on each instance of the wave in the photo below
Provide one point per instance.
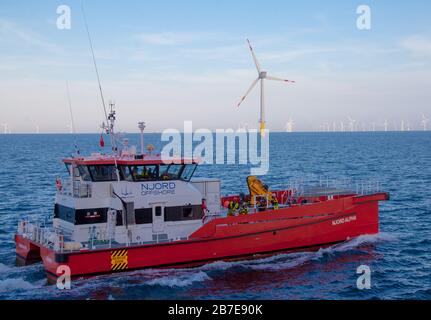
(292, 260)
(4, 268)
(179, 281)
(362, 240)
(15, 284)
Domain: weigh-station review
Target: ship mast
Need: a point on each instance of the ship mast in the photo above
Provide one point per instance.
(109, 118)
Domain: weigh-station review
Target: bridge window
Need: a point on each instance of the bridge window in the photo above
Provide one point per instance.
(102, 173)
(84, 173)
(188, 172)
(144, 173)
(170, 172)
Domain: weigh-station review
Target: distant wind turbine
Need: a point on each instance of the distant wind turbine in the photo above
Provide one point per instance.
(424, 122)
(70, 127)
(352, 124)
(262, 75)
(402, 125)
(290, 125)
(5, 128)
(341, 126)
(386, 125)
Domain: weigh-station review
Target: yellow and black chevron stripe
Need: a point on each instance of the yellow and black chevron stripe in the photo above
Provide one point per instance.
(119, 260)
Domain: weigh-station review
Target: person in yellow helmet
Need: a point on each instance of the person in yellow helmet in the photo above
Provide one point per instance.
(275, 204)
(244, 208)
(233, 207)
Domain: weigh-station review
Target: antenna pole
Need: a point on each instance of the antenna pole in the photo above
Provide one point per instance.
(141, 126)
(110, 128)
(71, 118)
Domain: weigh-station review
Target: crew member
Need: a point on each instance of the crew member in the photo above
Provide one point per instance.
(275, 204)
(244, 208)
(233, 207)
(261, 206)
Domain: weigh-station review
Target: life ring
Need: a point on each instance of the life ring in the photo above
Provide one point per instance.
(58, 184)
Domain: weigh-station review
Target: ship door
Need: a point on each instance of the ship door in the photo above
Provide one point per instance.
(158, 218)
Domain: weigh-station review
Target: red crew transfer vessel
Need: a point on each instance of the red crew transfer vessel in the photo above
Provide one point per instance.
(132, 210)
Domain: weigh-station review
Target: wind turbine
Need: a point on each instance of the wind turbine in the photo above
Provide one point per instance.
(5, 128)
(424, 122)
(262, 76)
(341, 126)
(402, 126)
(289, 125)
(386, 125)
(352, 124)
(70, 127)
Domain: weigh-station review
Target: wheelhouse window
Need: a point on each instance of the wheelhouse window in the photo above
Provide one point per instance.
(102, 173)
(144, 173)
(171, 172)
(188, 172)
(157, 172)
(126, 173)
(68, 166)
(84, 173)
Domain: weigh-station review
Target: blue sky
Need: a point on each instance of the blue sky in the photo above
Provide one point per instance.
(169, 61)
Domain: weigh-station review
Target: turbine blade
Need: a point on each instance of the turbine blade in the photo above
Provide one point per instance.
(248, 91)
(254, 57)
(279, 79)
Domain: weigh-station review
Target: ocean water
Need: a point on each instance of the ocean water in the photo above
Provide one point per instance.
(399, 257)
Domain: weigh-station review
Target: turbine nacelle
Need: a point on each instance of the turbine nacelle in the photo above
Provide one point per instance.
(263, 75)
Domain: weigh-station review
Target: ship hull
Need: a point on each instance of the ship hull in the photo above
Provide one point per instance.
(301, 228)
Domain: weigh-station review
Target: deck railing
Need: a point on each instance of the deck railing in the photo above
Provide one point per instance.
(328, 186)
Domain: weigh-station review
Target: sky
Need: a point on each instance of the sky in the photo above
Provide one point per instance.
(165, 62)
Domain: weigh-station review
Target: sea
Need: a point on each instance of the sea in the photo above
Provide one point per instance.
(398, 258)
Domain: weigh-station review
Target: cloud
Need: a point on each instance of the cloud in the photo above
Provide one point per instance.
(12, 31)
(417, 45)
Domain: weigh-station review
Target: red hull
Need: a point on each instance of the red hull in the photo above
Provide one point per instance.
(291, 229)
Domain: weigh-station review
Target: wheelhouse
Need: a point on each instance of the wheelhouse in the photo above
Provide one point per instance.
(130, 170)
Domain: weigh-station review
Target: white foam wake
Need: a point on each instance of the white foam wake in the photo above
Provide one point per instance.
(179, 280)
(15, 284)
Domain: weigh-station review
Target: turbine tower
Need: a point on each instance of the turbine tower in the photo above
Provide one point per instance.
(6, 129)
(341, 126)
(424, 122)
(262, 76)
(386, 125)
(352, 124)
(290, 125)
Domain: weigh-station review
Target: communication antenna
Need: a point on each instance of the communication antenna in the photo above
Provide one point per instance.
(110, 119)
(109, 126)
(71, 118)
(141, 126)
